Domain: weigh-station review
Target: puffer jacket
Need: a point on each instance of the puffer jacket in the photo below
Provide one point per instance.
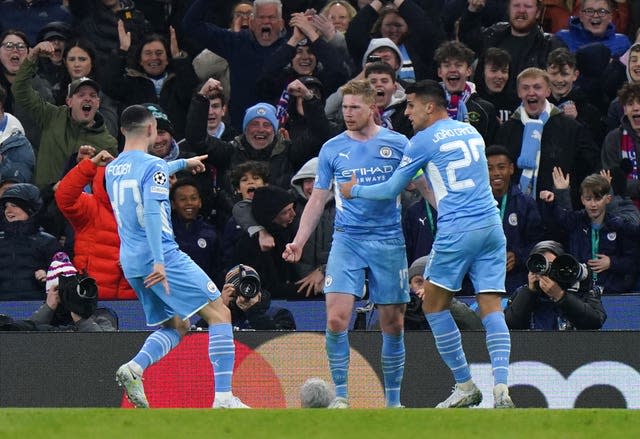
(24, 250)
(97, 245)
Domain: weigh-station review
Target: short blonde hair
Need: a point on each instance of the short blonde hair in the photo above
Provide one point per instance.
(351, 11)
(533, 72)
(360, 87)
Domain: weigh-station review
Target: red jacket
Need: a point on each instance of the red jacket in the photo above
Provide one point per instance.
(97, 244)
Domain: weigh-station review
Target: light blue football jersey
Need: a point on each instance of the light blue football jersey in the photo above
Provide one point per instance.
(132, 179)
(373, 161)
(451, 154)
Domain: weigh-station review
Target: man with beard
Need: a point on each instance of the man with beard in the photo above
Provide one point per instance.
(521, 37)
(64, 128)
(245, 51)
(367, 240)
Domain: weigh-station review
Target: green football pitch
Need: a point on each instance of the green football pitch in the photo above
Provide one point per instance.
(319, 423)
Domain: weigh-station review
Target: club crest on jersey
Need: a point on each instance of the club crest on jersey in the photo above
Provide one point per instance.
(328, 280)
(385, 152)
(160, 178)
(405, 161)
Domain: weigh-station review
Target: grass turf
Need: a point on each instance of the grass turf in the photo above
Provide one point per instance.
(310, 424)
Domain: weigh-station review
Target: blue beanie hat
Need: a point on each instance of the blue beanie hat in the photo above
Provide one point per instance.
(261, 109)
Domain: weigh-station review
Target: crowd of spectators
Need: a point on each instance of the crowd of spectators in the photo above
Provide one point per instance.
(553, 88)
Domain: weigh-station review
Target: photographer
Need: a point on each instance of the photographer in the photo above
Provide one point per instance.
(250, 304)
(559, 294)
(71, 303)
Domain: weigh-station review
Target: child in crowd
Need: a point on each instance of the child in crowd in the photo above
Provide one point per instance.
(25, 251)
(519, 213)
(574, 103)
(454, 61)
(245, 178)
(622, 145)
(493, 89)
(194, 235)
(595, 237)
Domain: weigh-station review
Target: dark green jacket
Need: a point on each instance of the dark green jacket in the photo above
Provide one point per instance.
(61, 135)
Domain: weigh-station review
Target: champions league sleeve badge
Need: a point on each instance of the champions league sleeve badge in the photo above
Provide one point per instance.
(159, 178)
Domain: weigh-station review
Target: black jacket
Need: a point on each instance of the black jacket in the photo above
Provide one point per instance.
(277, 275)
(565, 143)
(130, 86)
(423, 38)
(581, 309)
(483, 116)
(479, 39)
(100, 27)
(588, 114)
(23, 251)
(284, 157)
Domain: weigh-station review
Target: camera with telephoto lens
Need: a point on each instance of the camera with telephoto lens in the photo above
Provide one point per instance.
(565, 269)
(78, 293)
(246, 281)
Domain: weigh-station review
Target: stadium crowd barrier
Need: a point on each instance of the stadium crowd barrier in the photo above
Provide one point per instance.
(623, 312)
(548, 369)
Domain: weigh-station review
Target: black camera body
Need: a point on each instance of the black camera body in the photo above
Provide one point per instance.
(374, 58)
(78, 293)
(246, 281)
(565, 269)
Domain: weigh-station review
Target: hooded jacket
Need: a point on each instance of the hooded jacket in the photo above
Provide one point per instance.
(97, 245)
(24, 250)
(17, 154)
(577, 36)
(61, 134)
(615, 111)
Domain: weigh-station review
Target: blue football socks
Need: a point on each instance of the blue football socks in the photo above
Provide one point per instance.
(222, 353)
(449, 344)
(393, 355)
(156, 346)
(498, 345)
(337, 344)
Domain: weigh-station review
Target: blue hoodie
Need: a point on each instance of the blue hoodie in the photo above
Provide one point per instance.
(577, 36)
